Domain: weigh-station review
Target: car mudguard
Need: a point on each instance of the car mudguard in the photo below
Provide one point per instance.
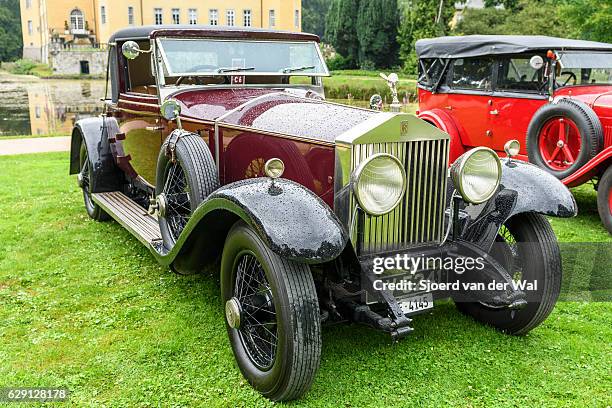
(445, 123)
(94, 133)
(524, 187)
(292, 220)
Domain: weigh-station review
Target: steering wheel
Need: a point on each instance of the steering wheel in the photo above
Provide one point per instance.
(571, 76)
(194, 68)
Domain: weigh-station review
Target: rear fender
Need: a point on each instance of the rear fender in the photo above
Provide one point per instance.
(445, 123)
(524, 188)
(106, 174)
(290, 219)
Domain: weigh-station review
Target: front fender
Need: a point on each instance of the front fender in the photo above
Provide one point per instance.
(293, 221)
(524, 188)
(94, 133)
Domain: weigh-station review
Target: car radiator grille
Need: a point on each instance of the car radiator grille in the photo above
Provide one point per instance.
(419, 218)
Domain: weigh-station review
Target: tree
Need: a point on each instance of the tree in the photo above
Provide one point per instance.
(589, 19)
(341, 29)
(536, 17)
(377, 23)
(313, 16)
(480, 21)
(10, 30)
(422, 19)
(508, 4)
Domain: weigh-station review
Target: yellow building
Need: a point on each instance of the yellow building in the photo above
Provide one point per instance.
(49, 26)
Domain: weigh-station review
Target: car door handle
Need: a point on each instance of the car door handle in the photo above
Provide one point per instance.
(494, 112)
(154, 128)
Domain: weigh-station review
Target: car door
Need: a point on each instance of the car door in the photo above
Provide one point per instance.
(141, 129)
(519, 91)
(469, 98)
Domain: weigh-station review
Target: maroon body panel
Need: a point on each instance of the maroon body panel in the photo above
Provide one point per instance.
(254, 125)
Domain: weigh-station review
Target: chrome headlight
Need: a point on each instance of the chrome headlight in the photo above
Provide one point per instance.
(476, 174)
(379, 183)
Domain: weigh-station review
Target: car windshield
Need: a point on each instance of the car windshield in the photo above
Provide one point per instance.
(582, 68)
(207, 57)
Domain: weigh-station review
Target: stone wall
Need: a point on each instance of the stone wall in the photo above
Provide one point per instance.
(69, 62)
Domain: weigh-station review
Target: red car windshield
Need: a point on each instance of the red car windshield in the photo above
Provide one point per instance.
(584, 68)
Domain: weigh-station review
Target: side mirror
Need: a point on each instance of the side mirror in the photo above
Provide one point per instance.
(131, 50)
(170, 110)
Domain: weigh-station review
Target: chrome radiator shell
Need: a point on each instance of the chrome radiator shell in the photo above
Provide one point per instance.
(419, 218)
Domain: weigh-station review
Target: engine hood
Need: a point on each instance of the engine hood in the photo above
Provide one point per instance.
(592, 95)
(285, 111)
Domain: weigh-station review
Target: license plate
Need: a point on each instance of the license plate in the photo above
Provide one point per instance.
(416, 303)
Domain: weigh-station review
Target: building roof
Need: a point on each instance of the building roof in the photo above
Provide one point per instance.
(477, 45)
(152, 31)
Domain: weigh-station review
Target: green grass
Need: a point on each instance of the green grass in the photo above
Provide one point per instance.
(361, 87)
(84, 305)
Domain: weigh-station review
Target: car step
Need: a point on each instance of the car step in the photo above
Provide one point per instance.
(130, 215)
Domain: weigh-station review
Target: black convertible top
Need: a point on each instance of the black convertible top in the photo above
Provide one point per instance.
(477, 45)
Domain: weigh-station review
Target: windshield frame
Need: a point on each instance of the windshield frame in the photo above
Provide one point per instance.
(166, 65)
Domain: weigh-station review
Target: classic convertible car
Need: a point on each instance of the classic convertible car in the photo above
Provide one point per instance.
(552, 94)
(218, 143)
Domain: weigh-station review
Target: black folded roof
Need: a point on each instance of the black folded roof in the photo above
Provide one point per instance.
(477, 45)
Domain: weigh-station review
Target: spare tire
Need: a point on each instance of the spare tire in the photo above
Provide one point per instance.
(564, 136)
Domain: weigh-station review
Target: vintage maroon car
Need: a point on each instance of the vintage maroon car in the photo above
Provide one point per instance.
(199, 125)
(553, 95)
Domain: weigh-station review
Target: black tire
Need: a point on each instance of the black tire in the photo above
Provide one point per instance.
(288, 287)
(197, 176)
(604, 199)
(93, 210)
(589, 127)
(537, 257)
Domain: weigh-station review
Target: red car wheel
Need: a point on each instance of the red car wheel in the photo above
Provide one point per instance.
(559, 143)
(604, 199)
(562, 137)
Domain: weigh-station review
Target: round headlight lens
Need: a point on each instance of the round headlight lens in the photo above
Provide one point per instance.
(379, 183)
(476, 174)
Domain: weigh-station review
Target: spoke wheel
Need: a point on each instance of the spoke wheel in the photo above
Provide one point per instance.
(258, 325)
(272, 315)
(560, 143)
(604, 199)
(175, 203)
(527, 247)
(84, 179)
(185, 178)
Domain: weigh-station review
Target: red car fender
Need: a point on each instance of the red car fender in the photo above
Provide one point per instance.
(597, 164)
(445, 122)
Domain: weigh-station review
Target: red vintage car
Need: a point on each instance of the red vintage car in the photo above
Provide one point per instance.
(217, 144)
(553, 95)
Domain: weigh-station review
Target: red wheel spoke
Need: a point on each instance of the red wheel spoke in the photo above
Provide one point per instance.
(562, 130)
(568, 154)
(554, 154)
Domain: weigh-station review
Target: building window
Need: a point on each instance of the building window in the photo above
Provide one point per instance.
(30, 28)
(158, 16)
(103, 14)
(176, 16)
(193, 16)
(77, 21)
(272, 18)
(130, 15)
(247, 18)
(28, 3)
(213, 17)
(229, 15)
(296, 19)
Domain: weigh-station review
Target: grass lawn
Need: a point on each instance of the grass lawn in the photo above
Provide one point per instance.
(83, 305)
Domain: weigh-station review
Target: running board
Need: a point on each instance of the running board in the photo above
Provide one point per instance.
(131, 216)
